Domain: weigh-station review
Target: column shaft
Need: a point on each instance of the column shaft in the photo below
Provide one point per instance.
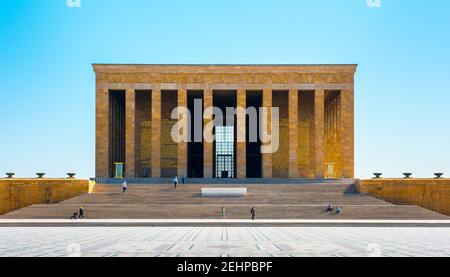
(130, 133)
(267, 121)
(156, 133)
(182, 146)
(347, 126)
(102, 165)
(293, 133)
(207, 146)
(241, 155)
(319, 122)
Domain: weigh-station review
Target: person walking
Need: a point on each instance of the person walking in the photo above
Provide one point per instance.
(223, 212)
(175, 182)
(81, 213)
(253, 213)
(124, 186)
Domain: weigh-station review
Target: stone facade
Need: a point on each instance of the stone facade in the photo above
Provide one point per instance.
(316, 117)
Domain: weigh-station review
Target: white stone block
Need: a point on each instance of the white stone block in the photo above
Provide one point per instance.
(224, 192)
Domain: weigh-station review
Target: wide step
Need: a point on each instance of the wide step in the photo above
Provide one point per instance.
(306, 201)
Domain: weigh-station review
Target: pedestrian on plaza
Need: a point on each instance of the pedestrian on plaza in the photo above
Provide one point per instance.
(175, 182)
(81, 213)
(338, 210)
(223, 212)
(124, 186)
(253, 213)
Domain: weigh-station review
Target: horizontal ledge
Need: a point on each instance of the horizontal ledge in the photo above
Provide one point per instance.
(217, 222)
(176, 86)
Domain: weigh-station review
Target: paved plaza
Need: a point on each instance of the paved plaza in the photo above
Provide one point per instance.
(224, 241)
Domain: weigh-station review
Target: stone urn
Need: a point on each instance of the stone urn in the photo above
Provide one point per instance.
(71, 175)
(407, 175)
(40, 175)
(10, 175)
(438, 175)
(377, 175)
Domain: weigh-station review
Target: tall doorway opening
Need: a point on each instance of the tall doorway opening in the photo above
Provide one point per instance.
(253, 143)
(195, 145)
(117, 133)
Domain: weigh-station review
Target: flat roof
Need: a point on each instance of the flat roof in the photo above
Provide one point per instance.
(223, 68)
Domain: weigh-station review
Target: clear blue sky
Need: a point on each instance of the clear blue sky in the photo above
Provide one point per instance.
(47, 88)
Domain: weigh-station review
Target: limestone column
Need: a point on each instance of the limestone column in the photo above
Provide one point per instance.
(267, 121)
(102, 165)
(207, 146)
(293, 133)
(182, 146)
(241, 153)
(347, 125)
(156, 133)
(319, 127)
(130, 133)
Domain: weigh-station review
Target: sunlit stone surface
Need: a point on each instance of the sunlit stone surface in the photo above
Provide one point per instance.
(226, 241)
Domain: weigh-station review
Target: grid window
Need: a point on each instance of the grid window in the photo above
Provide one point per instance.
(224, 152)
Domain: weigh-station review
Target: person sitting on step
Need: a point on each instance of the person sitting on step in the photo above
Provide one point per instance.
(338, 210)
(329, 208)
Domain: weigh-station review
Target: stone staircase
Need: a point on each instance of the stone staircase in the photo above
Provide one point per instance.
(272, 201)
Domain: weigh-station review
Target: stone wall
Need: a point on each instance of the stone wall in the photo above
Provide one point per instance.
(432, 194)
(19, 193)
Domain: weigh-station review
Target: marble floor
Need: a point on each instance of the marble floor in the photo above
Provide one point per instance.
(224, 241)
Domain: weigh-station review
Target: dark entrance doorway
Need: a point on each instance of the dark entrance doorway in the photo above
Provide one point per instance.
(253, 145)
(195, 146)
(117, 129)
